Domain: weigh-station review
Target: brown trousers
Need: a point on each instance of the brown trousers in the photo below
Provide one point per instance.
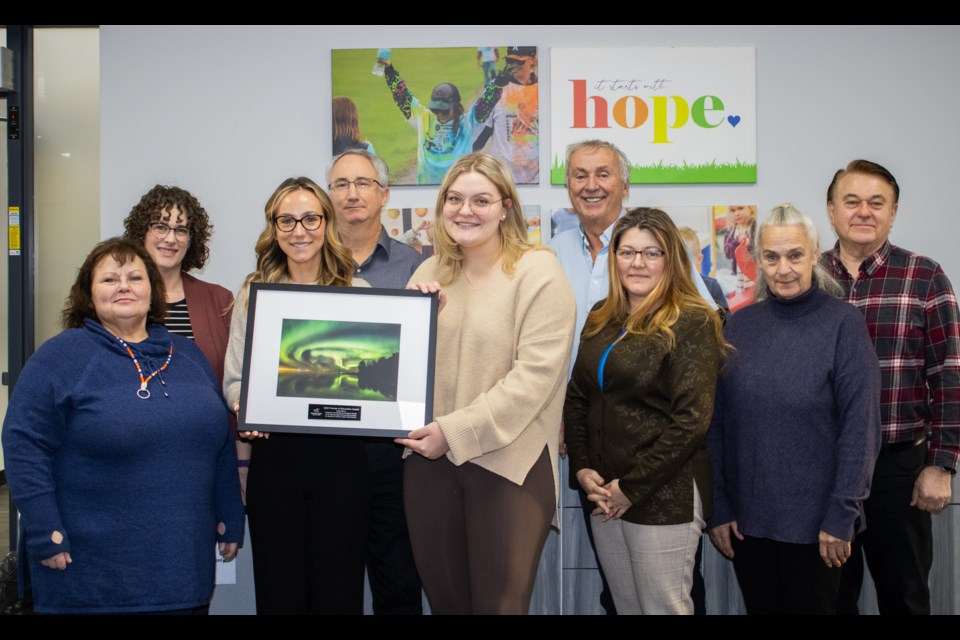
(477, 537)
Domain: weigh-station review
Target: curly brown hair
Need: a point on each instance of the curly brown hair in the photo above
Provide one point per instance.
(151, 207)
(79, 303)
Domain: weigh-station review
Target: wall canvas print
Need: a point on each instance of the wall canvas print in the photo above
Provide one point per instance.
(682, 115)
(734, 266)
(422, 108)
(531, 213)
(413, 226)
(336, 359)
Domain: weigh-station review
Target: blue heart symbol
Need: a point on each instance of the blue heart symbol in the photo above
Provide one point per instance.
(733, 120)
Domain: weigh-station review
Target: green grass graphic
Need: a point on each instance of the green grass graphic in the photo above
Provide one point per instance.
(660, 173)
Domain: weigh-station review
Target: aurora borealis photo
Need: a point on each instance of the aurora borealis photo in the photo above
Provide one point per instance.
(341, 360)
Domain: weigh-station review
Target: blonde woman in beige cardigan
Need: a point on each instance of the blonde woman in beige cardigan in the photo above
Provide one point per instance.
(481, 490)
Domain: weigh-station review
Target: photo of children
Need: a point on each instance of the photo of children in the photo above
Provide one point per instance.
(734, 266)
(414, 227)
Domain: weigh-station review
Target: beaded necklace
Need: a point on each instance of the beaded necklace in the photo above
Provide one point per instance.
(143, 393)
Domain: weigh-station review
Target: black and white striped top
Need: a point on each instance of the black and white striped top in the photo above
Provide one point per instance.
(178, 319)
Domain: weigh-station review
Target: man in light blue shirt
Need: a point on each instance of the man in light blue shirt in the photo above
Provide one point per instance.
(598, 181)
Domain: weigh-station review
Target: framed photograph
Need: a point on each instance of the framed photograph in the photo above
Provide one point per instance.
(338, 360)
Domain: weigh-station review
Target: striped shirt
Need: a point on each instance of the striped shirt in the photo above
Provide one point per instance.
(178, 319)
(911, 312)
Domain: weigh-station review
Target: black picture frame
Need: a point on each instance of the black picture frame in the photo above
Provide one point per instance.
(338, 360)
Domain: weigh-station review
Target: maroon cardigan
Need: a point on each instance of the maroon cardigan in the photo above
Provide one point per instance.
(209, 306)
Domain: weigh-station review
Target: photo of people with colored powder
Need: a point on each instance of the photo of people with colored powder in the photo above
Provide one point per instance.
(421, 109)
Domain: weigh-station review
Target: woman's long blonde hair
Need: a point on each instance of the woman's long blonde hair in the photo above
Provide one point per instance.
(513, 228)
(675, 292)
(336, 260)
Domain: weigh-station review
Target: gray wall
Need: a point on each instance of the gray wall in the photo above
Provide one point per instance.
(228, 112)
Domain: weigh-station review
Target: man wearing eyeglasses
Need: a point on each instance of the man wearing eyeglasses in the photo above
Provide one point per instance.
(358, 188)
(514, 124)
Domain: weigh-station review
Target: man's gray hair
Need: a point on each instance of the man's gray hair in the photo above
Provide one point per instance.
(379, 166)
(622, 159)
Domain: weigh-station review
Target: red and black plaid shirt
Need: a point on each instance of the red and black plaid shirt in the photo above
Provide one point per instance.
(912, 315)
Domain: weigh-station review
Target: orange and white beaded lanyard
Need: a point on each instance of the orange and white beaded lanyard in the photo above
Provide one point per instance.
(143, 393)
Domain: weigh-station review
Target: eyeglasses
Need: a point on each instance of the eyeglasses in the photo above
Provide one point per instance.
(441, 112)
(161, 230)
(516, 61)
(310, 222)
(478, 203)
(362, 184)
(627, 254)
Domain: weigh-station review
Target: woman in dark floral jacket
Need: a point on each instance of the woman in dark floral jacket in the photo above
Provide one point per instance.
(637, 410)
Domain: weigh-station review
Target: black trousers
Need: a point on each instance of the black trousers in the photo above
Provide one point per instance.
(392, 572)
(897, 543)
(782, 578)
(321, 508)
(308, 508)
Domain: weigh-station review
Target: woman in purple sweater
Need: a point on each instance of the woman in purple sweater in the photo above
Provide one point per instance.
(795, 430)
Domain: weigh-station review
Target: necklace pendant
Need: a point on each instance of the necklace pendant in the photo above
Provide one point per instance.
(143, 393)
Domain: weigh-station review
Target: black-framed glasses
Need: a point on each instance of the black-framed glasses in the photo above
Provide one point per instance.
(161, 230)
(362, 184)
(310, 222)
(478, 204)
(650, 254)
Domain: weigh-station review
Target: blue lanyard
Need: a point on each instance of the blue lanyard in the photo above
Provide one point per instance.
(606, 353)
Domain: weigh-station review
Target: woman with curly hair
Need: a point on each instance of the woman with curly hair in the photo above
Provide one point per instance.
(174, 228)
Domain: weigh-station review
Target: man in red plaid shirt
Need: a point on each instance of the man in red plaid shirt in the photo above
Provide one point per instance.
(912, 315)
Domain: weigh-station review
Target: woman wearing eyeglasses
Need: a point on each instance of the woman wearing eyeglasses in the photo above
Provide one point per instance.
(637, 410)
(174, 229)
(305, 510)
(481, 491)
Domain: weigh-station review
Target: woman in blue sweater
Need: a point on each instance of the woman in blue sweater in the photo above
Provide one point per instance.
(118, 452)
(795, 430)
